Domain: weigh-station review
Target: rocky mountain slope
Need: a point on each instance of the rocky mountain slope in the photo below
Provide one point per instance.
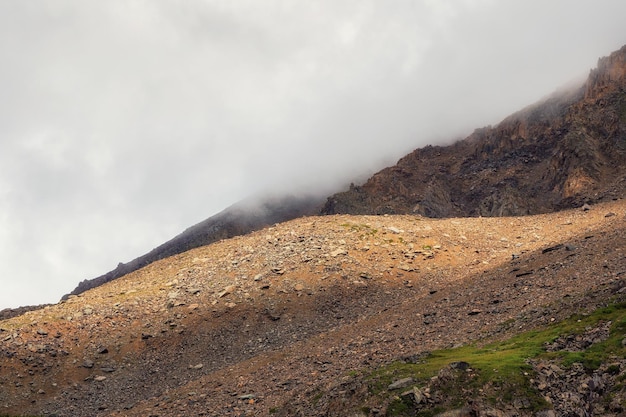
(559, 153)
(284, 321)
(241, 218)
(347, 314)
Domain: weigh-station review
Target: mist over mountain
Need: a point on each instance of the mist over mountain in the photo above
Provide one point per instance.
(123, 123)
(561, 152)
(241, 218)
(483, 278)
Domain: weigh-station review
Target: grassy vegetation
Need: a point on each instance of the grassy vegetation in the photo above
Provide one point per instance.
(362, 228)
(598, 353)
(317, 397)
(500, 371)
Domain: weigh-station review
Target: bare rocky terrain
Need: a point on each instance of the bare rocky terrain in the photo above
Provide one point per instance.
(255, 325)
(518, 227)
(563, 151)
(238, 219)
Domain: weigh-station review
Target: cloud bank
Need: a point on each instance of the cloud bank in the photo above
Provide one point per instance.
(123, 123)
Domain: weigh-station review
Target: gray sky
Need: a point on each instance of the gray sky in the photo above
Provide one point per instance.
(124, 122)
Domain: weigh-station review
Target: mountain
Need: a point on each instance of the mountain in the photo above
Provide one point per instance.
(566, 150)
(241, 218)
(317, 316)
(562, 152)
(514, 304)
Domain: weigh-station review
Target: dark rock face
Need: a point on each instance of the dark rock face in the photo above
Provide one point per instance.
(7, 313)
(559, 153)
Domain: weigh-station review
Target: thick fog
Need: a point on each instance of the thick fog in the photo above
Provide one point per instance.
(124, 122)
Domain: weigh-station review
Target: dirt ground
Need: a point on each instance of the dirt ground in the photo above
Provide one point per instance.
(246, 325)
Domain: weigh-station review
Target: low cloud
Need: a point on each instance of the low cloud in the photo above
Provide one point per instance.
(123, 123)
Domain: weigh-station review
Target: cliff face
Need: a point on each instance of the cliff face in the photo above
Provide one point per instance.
(561, 152)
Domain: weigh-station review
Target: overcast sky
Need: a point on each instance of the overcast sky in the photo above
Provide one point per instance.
(124, 122)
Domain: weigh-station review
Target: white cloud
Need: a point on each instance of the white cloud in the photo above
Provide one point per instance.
(122, 123)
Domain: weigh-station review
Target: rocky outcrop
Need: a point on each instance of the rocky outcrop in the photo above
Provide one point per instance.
(568, 149)
(609, 74)
(7, 313)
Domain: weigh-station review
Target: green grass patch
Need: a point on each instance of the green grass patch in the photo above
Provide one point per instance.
(316, 398)
(499, 372)
(398, 407)
(596, 354)
(365, 230)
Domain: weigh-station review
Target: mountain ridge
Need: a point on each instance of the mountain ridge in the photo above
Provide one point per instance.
(488, 148)
(277, 314)
(240, 218)
(559, 153)
(518, 227)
